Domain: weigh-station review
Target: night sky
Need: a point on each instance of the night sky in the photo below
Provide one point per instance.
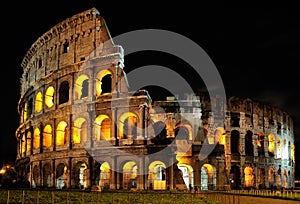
(256, 50)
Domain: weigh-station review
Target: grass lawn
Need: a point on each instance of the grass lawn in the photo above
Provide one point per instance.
(113, 197)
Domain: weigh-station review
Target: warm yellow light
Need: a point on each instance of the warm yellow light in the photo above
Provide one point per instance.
(2, 171)
(79, 130)
(61, 136)
(78, 85)
(249, 177)
(100, 75)
(36, 138)
(271, 143)
(131, 169)
(49, 97)
(132, 120)
(28, 148)
(23, 142)
(97, 126)
(25, 112)
(47, 134)
(38, 102)
(220, 136)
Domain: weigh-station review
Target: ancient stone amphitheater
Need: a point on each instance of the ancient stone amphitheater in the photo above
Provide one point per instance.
(80, 127)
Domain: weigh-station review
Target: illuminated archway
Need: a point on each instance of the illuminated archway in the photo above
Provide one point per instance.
(220, 136)
(61, 176)
(103, 179)
(38, 102)
(271, 147)
(103, 86)
(28, 142)
(157, 175)
(47, 135)
(128, 125)
(208, 177)
(61, 133)
(249, 177)
(49, 101)
(79, 131)
(80, 175)
(129, 179)
(187, 174)
(260, 143)
(271, 179)
(183, 130)
(81, 87)
(23, 145)
(102, 128)
(36, 138)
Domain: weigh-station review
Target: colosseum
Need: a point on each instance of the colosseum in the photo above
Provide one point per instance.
(81, 128)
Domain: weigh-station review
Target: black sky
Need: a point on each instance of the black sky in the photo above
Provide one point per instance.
(256, 50)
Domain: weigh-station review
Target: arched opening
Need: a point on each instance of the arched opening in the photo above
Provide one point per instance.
(249, 143)
(28, 142)
(261, 178)
(160, 130)
(278, 178)
(106, 84)
(235, 142)
(208, 177)
(102, 128)
(61, 133)
(36, 176)
(23, 145)
(49, 100)
(61, 176)
(38, 102)
(64, 92)
(285, 179)
(249, 177)
(80, 131)
(80, 175)
(261, 143)
(271, 179)
(47, 135)
(187, 174)
(220, 136)
(129, 179)
(128, 126)
(271, 148)
(36, 138)
(103, 82)
(47, 175)
(235, 177)
(103, 176)
(81, 88)
(157, 176)
(181, 133)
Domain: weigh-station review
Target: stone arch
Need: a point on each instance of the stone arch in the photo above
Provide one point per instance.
(47, 176)
(63, 92)
(47, 136)
(271, 146)
(128, 125)
(157, 175)
(81, 88)
(61, 176)
(61, 133)
(103, 82)
(261, 178)
(208, 177)
(271, 177)
(49, 97)
(220, 136)
(235, 177)
(80, 175)
(80, 132)
(36, 176)
(187, 174)
(36, 138)
(249, 177)
(235, 142)
(183, 130)
(249, 143)
(129, 175)
(38, 102)
(102, 128)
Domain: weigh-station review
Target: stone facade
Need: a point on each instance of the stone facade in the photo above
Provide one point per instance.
(80, 127)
